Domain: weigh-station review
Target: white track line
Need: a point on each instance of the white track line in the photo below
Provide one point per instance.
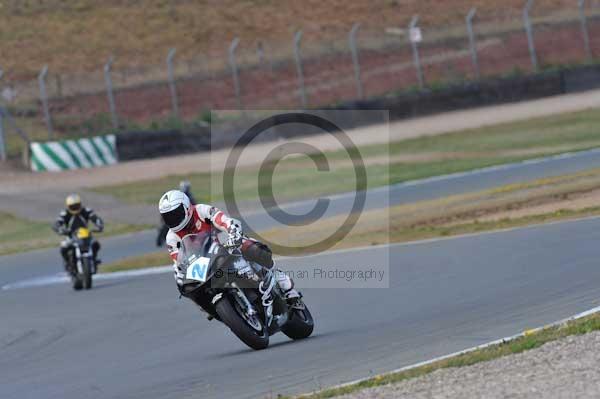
(62, 278)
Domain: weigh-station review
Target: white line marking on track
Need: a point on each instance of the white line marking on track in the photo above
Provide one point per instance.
(62, 278)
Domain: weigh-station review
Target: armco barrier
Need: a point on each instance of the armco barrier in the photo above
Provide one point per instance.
(55, 156)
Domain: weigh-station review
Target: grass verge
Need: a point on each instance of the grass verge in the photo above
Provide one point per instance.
(361, 237)
(21, 235)
(526, 342)
(545, 200)
(152, 259)
(297, 178)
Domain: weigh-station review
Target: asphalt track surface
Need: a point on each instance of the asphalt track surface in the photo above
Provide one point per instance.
(133, 338)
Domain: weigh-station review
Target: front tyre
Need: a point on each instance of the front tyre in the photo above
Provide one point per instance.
(86, 275)
(235, 321)
(77, 282)
(300, 325)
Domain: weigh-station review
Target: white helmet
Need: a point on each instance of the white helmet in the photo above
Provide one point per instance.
(176, 209)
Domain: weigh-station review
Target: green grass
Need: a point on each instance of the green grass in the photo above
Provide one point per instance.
(527, 342)
(153, 259)
(577, 130)
(297, 178)
(21, 235)
(294, 183)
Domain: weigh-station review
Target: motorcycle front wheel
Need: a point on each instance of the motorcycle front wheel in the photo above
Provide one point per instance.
(251, 336)
(300, 325)
(77, 282)
(86, 276)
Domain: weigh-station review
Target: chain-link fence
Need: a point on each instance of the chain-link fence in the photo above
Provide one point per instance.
(302, 72)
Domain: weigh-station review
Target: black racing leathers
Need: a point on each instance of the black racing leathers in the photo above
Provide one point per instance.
(68, 223)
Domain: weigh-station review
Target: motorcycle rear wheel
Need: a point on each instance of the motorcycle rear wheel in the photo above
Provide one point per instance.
(236, 323)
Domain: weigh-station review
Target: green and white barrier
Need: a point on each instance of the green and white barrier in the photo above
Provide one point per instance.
(55, 156)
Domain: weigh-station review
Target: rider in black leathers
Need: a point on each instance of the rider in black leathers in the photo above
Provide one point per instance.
(71, 219)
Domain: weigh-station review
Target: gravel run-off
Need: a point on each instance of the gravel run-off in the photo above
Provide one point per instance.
(566, 368)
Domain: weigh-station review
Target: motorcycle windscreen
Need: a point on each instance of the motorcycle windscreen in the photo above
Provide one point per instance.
(191, 256)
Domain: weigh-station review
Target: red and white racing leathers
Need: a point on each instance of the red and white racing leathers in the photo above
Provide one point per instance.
(206, 217)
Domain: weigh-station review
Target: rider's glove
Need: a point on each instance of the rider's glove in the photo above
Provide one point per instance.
(178, 274)
(244, 269)
(234, 240)
(235, 235)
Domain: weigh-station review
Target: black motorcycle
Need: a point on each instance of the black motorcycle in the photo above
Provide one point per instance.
(252, 311)
(81, 263)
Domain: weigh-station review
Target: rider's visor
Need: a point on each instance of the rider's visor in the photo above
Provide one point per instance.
(175, 217)
(74, 208)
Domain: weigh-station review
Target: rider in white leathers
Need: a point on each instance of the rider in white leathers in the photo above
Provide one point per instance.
(183, 218)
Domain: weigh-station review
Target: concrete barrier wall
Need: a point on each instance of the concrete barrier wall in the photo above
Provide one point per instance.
(141, 145)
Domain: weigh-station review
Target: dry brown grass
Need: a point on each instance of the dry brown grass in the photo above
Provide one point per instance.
(539, 201)
(79, 35)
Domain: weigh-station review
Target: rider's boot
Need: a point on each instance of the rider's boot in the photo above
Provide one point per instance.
(95, 251)
(66, 266)
(293, 297)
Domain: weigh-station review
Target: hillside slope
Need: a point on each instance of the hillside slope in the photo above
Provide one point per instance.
(79, 35)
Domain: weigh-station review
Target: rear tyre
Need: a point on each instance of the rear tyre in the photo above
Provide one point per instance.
(86, 276)
(229, 315)
(300, 325)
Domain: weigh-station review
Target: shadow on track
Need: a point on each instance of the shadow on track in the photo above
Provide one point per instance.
(285, 343)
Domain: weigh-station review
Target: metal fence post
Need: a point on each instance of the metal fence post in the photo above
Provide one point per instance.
(355, 60)
(298, 56)
(234, 72)
(529, 30)
(584, 30)
(260, 52)
(412, 29)
(472, 42)
(172, 86)
(2, 140)
(264, 56)
(110, 94)
(44, 99)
